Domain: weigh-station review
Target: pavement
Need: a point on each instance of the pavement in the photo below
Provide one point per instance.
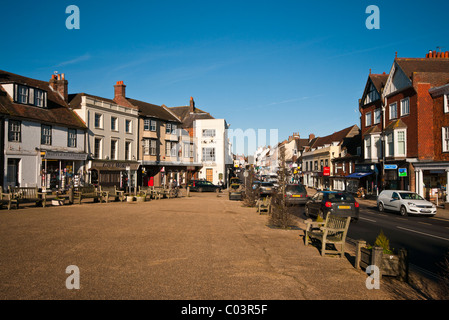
(203, 247)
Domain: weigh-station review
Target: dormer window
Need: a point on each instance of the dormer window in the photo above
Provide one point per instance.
(24, 93)
(30, 96)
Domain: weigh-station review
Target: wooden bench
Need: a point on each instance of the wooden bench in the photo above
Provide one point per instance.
(112, 191)
(146, 192)
(264, 204)
(6, 198)
(332, 230)
(28, 195)
(89, 192)
(160, 192)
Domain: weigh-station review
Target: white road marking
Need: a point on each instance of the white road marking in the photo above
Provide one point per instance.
(367, 219)
(426, 234)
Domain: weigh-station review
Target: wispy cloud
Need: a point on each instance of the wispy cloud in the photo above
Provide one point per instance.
(277, 103)
(84, 57)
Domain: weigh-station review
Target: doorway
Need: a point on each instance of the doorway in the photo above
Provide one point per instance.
(210, 175)
(12, 173)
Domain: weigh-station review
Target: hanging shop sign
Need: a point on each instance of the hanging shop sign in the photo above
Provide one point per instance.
(64, 155)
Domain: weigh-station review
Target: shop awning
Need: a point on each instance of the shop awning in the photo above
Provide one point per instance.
(359, 175)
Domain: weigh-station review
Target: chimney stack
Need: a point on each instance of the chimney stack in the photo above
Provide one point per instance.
(119, 90)
(311, 137)
(192, 105)
(59, 84)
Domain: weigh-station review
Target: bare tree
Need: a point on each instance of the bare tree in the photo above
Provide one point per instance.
(250, 194)
(280, 214)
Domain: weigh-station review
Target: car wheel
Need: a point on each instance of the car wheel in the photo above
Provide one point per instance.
(380, 206)
(403, 211)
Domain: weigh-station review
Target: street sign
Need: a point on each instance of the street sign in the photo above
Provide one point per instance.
(390, 166)
(402, 172)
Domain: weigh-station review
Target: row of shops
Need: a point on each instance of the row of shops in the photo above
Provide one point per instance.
(430, 180)
(62, 170)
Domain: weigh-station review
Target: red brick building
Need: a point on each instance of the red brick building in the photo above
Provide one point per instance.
(404, 116)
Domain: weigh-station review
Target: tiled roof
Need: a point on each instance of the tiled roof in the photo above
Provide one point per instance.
(56, 112)
(151, 110)
(379, 81)
(145, 109)
(411, 65)
(336, 136)
(396, 124)
(187, 118)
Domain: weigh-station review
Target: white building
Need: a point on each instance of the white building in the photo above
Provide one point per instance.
(112, 140)
(213, 149)
(43, 138)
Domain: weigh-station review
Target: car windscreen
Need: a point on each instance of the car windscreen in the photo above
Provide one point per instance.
(410, 196)
(267, 184)
(340, 197)
(295, 188)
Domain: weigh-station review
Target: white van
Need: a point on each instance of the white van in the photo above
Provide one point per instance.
(405, 202)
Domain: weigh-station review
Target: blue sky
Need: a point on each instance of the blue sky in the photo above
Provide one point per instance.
(295, 66)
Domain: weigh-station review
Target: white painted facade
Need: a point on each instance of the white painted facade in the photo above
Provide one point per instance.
(213, 149)
(25, 160)
(111, 143)
(89, 108)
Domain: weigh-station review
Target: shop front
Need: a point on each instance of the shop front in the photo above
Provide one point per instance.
(159, 173)
(396, 175)
(431, 180)
(61, 170)
(122, 174)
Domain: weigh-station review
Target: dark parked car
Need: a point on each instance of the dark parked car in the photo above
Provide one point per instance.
(338, 203)
(266, 188)
(235, 189)
(202, 185)
(295, 194)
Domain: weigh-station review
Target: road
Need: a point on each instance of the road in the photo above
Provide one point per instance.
(425, 238)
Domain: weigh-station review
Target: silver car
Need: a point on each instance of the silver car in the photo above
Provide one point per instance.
(405, 202)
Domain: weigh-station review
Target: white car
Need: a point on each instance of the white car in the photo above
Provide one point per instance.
(405, 202)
